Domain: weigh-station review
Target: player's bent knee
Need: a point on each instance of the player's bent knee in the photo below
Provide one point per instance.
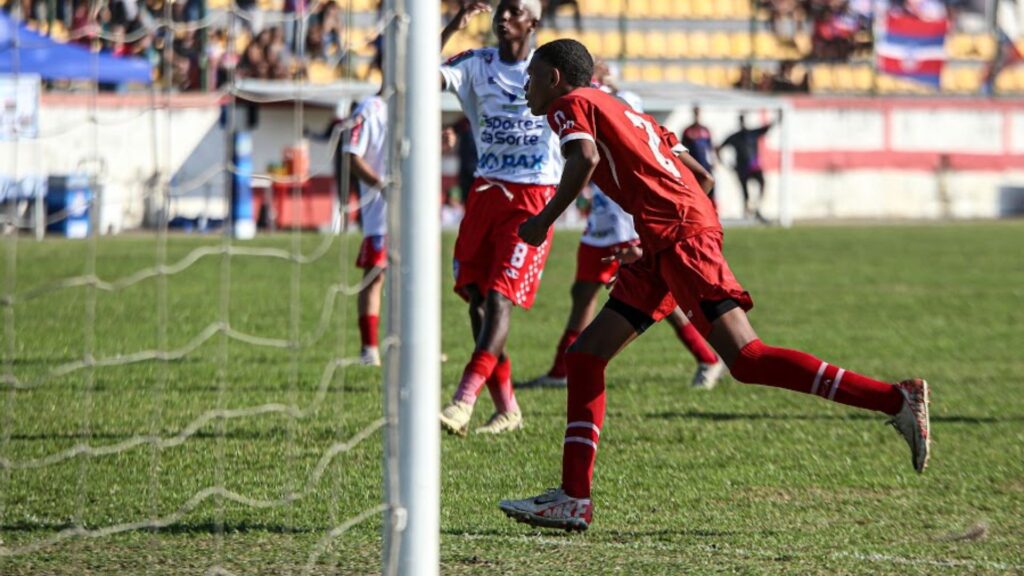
(636, 318)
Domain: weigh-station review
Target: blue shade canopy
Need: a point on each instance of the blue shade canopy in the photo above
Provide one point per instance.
(34, 53)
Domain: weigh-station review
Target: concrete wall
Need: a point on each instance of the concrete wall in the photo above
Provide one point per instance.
(885, 158)
(852, 158)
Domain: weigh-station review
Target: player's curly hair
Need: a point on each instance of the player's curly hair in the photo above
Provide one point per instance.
(571, 58)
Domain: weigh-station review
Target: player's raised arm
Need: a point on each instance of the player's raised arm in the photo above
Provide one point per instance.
(459, 22)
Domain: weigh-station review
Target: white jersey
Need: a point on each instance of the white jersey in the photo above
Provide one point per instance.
(512, 144)
(608, 224)
(368, 140)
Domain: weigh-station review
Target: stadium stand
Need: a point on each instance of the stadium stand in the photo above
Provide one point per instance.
(706, 42)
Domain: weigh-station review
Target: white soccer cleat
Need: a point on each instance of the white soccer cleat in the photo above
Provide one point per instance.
(544, 381)
(455, 417)
(370, 356)
(552, 509)
(707, 375)
(912, 421)
(502, 422)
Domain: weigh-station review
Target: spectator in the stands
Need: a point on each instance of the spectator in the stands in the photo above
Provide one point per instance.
(329, 18)
(784, 81)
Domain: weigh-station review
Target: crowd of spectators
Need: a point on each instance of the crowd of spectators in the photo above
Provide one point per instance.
(194, 53)
(839, 29)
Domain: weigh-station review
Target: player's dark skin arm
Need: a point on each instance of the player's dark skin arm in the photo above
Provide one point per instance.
(581, 158)
(363, 171)
(704, 178)
(460, 21)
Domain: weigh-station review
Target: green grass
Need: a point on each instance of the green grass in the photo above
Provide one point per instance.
(744, 479)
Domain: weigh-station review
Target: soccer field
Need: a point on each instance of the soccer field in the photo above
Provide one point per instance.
(742, 479)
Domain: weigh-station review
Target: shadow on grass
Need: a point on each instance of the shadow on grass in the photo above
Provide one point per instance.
(198, 527)
(668, 534)
(730, 416)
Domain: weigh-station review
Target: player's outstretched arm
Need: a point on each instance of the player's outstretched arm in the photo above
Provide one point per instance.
(704, 178)
(462, 18)
(581, 158)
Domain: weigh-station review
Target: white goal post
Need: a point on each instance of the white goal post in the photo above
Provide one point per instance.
(413, 375)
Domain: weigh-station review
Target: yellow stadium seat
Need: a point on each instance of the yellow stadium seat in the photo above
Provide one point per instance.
(960, 46)
(863, 78)
(740, 9)
(677, 45)
(703, 9)
(593, 7)
(612, 43)
(652, 73)
(821, 79)
(613, 8)
(657, 45)
(718, 76)
(699, 45)
(680, 9)
(766, 46)
(631, 73)
(739, 46)
(697, 75)
(720, 45)
(636, 44)
(661, 9)
(594, 41)
(675, 73)
(545, 35)
(639, 8)
(844, 79)
(320, 73)
(969, 79)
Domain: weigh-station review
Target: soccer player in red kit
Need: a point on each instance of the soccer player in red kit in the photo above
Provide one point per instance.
(624, 152)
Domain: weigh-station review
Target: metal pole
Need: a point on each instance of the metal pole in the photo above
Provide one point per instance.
(786, 165)
(418, 275)
(420, 346)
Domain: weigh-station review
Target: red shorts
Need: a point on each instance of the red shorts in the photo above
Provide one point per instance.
(591, 266)
(685, 274)
(373, 253)
(488, 251)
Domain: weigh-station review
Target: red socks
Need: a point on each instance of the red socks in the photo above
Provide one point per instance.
(801, 372)
(585, 415)
(558, 368)
(479, 369)
(695, 343)
(368, 330)
(500, 387)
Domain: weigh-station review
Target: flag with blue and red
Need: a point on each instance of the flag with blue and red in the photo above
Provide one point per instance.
(912, 47)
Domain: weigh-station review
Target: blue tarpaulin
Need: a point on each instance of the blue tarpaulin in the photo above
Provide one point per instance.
(23, 51)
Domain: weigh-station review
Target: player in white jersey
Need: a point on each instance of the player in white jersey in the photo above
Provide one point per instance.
(608, 237)
(365, 149)
(519, 166)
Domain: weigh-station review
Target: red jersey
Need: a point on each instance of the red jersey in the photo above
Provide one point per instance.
(638, 167)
